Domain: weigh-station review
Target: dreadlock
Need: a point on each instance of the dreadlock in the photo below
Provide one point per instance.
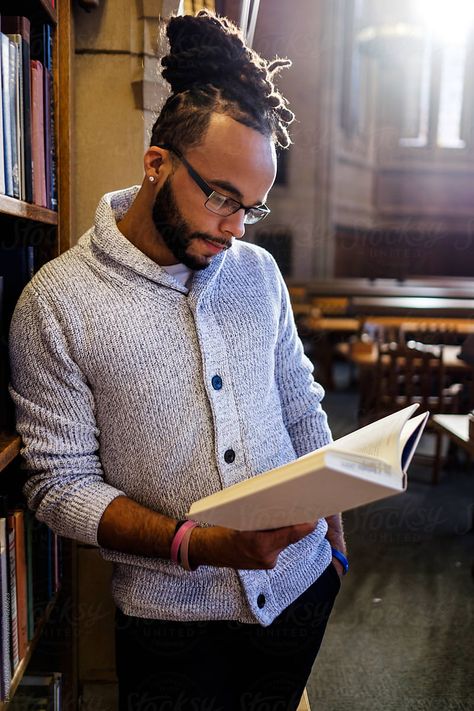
(210, 69)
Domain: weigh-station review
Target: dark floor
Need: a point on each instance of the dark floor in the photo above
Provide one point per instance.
(401, 637)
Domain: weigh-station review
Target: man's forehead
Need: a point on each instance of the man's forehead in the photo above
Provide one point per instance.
(227, 136)
(234, 152)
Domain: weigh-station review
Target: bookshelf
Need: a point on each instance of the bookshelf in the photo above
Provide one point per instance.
(18, 208)
(46, 232)
(9, 449)
(21, 668)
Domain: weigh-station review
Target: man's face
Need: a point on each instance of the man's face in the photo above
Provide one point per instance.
(234, 160)
(177, 234)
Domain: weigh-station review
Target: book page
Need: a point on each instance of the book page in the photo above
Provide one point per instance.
(410, 437)
(380, 439)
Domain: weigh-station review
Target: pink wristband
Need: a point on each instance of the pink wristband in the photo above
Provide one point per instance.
(176, 542)
(184, 548)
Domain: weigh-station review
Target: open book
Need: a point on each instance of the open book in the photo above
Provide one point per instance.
(363, 466)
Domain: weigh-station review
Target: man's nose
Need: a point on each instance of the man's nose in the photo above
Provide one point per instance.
(234, 224)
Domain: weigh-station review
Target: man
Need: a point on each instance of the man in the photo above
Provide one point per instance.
(157, 362)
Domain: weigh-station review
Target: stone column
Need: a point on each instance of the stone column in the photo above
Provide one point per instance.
(117, 89)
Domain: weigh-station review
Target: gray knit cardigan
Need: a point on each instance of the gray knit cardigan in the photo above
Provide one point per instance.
(112, 376)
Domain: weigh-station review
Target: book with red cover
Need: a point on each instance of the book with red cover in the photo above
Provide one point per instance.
(16, 520)
(37, 133)
(48, 138)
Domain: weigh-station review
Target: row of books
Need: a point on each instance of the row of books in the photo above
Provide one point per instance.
(27, 151)
(30, 574)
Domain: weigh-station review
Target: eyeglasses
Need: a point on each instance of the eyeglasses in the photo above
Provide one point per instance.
(218, 203)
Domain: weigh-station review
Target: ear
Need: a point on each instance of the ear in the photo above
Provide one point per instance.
(157, 165)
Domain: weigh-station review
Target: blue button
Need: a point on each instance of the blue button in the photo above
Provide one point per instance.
(229, 456)
(261, 601)
(216, 382)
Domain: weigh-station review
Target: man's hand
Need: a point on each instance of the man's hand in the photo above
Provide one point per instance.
(132, 528)
(335, 533)
(251, 550)
(335, 536)
(338, 566)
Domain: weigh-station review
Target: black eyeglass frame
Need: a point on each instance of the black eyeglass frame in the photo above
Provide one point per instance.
(261, 210)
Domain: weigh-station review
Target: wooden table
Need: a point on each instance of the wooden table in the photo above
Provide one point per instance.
(396, 305)
(323, 335)
(368, 360)
(332, 324)
(417, 323)
(456, 427)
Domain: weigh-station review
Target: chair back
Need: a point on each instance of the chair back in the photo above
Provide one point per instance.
(440, 334)
(413, 373)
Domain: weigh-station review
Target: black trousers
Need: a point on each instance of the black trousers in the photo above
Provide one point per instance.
(223, 665)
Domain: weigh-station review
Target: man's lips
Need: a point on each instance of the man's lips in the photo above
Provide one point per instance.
(217, 245)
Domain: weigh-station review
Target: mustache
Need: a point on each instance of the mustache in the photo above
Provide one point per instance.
(221, 241)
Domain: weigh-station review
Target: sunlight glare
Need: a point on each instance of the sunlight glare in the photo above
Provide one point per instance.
(447, 20)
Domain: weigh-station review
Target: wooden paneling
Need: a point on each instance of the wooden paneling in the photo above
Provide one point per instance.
(400, 254)
(434, 193)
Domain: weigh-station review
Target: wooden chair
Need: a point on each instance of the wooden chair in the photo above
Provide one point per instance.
(439, 334)
(414, 374)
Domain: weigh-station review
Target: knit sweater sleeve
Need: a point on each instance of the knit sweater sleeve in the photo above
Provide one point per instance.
(55, 418)
(305, 420)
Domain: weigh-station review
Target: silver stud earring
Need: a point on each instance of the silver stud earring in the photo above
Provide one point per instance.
(151, 178)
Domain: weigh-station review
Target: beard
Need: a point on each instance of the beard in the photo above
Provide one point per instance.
(174, 231)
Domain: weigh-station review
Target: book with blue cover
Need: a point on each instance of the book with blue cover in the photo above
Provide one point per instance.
(19, 25)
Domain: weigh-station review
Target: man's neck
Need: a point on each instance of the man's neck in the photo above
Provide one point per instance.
(138, 227)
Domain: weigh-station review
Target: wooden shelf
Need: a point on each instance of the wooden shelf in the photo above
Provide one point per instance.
(18, 208)
(9, 449)
(21, 668)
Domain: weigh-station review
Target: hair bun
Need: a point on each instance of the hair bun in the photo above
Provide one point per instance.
(203, 49)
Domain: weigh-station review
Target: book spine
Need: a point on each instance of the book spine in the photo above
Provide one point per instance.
(47, 133)
(7, 137)
(15, 24)
(5, 650)
(40, 569)
(19, 118)
(29, 571)
(48, 47)
(14, 128)
(27, 112)
(21, 584)
(13, 608)
(39, 187)
(21, 121)
(52, 133)
(2, 150)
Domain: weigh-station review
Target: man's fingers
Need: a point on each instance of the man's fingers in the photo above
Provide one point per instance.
(292, 534)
